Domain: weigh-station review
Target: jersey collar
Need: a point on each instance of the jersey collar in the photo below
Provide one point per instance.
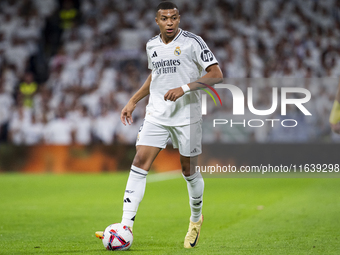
(177, 36)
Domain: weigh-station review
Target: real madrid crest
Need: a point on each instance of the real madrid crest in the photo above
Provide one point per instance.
(177, 51)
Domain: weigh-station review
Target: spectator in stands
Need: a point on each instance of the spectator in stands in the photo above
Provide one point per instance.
(83, 127)
(33, 131)
(17, 54)
(27, 88)
(17, 122)
(9, 77)
(6, 105)
(3, 46)
(104, 126)
(68, 14)
(60, 130)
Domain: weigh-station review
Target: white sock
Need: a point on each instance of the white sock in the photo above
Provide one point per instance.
(133, 195)
(195, 184)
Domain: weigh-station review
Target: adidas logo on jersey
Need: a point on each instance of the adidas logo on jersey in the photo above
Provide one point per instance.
(154, 54)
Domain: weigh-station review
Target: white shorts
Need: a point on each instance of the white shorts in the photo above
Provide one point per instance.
(186, 138)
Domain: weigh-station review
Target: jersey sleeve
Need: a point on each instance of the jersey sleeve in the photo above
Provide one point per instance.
(202, 54)
(149, 59)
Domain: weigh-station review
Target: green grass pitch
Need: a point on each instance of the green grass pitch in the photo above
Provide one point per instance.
(58, 214)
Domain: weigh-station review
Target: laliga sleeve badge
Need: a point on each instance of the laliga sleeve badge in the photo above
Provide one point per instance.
(177, 51)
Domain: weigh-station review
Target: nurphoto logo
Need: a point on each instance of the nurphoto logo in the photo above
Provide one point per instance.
(238, 98)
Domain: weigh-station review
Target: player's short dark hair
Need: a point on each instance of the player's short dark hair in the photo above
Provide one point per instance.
(166, 5)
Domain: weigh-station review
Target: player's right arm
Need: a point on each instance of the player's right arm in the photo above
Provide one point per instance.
(126, 114)
(334, 118)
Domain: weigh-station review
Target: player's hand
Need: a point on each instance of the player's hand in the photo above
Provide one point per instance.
(126, 114)
(174, 94)
(336, 127)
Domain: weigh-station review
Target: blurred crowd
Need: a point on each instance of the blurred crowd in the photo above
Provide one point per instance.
(68, 67)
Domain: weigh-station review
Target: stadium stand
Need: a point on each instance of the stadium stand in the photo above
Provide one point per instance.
(68, 62)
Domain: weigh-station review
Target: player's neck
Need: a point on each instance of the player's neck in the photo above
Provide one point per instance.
(167, 40)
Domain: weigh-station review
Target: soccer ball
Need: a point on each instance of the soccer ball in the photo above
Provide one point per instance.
(117, 237)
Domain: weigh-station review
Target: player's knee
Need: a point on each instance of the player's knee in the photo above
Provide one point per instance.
(188, 164)
(140, 164)
(186, 169)
(140, 161)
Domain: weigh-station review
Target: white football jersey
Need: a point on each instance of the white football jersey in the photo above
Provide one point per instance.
(177, 63)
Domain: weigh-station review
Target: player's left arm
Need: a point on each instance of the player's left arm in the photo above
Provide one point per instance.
(214, 75)
(334, 118)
